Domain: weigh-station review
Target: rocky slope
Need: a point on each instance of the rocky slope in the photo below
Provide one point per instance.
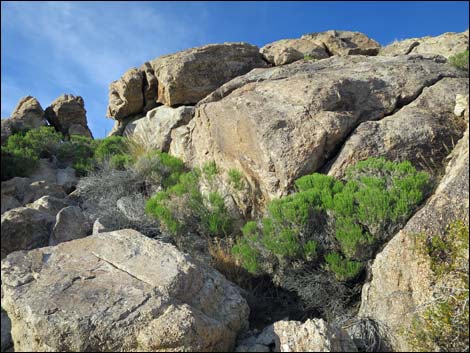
(321, 102)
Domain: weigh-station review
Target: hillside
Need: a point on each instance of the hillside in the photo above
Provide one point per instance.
(309, 195)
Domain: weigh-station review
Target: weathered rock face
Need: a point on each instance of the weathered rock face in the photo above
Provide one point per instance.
(39, 189)
(70, 224)
(6, 342)
(16, 187)
(125, 95)
(23, 229)
(188, 76)
(446, 44)
(118, 291)
(27, 115)
(319, 46)
(286, 51)
(181, 78)
(401, 277)
(312, 336)
(68, 111)
(280, 123)
(423, 132)
(155, 128)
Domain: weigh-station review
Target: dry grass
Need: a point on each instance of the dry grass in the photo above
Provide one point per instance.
(138, 144)
(225, 263)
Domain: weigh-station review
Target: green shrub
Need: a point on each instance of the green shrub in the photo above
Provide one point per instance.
(343, 269)
(182, 205)
(460, 60)
(309, 57)
(326, 215)
(109, 147)
(236, 179)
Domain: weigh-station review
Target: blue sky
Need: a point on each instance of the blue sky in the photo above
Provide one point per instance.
(51, 48)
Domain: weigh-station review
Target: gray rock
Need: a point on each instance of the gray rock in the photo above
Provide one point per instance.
(154, 130)
(38, 189)
(70, 224)
(50, 205)
(23, 228)
(314, 335)
(16, 187)
(119, 291)
(67, 179)
(6, 341)
(77, 129)
(46, 171)
(9, 202)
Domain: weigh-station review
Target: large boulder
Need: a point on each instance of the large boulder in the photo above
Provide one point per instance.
(319, 46)
(402, 277)
(8, 202)
(154, 130)
(16, 187)
(423, 132)
(24, 228)
(118, 291)
(27, 115)
(280, 123)
(446, 44)
(125, 95)
(70, 224)
(6, 342)
(286, 51)
(188, 76)
(66, 112)
(38, 189)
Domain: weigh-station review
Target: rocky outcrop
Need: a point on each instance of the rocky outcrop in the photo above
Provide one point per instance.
(118, 291)
(446, 44)
(181, 78)
(423, 132)
(401, 276)
(70, 224)
(125, 95)
(24, 229)
(280, 123)
(154, 130)
(319, 45)
(66, 112)
(27, 115)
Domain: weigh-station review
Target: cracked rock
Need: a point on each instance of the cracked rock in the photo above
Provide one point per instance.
(118, 291)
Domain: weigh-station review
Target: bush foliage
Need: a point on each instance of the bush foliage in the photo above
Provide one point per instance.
(460, 60)
(336, 225)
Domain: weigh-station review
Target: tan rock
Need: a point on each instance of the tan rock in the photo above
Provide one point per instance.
(66, 111)
(423, 132)
(150, 87)
(314, 335)
(28, 114)
(280, 123)
(446, 44)
(188, 76)
(155, 128)
(344, 42)
(118, 291)
(125, 95)
(286, 51)
(402, 279)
